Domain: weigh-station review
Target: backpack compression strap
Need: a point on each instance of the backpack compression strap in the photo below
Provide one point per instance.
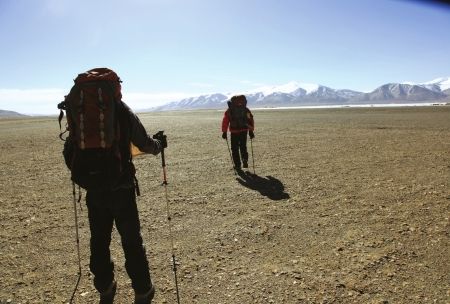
(62, 108)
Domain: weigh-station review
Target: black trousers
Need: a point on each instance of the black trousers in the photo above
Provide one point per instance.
(105, 208)
(239, 148)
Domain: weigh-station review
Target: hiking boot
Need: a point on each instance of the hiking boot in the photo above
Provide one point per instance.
(107, 297)
(145, 298)
(245, 165)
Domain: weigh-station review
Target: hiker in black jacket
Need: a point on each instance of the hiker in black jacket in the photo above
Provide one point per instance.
(119, 206)
(101, 130)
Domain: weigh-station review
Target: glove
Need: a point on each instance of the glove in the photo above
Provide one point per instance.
(252, 135)
(162, 139)
(224, 135)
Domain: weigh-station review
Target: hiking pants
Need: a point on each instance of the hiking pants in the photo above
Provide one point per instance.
(105, 208)
(239, 148)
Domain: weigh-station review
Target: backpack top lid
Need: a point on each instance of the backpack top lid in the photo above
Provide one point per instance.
(98, 74)
(101, 74)
(239, 101)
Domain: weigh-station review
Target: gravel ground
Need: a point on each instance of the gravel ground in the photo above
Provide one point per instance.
(345, 206)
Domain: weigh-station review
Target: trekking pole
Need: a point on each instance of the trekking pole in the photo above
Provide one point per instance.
(231, 157)
(163, 139)
(78, 242)
(253, 158)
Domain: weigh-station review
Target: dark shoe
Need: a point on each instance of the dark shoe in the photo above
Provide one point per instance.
(245, 165)
(107, 297)
(145, 298)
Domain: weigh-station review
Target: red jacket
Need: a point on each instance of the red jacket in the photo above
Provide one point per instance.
(226, 122)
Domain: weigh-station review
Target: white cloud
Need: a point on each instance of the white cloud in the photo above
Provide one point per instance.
(45, 101)
(201, 85)
(138, 100)
(32, 101)
(252, 83)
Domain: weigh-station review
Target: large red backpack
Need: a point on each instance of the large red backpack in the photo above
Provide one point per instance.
(92, 150)
(237, 108)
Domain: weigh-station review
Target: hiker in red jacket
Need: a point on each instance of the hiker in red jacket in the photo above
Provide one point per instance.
(239, 120)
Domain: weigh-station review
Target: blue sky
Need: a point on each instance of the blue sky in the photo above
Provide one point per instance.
(165, 50)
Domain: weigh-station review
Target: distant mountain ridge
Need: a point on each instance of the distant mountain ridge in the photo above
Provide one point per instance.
(298, 94)
(10, 114)
(402, 92)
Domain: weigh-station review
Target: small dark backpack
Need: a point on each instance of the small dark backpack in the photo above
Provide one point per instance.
(91, 150)
(238, 112)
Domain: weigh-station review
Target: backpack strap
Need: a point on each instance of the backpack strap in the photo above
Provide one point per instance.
(62, 108)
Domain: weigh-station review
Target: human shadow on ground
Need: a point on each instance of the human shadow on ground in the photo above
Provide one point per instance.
(268, 186)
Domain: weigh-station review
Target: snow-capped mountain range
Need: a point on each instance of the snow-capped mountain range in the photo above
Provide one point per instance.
(303, 94)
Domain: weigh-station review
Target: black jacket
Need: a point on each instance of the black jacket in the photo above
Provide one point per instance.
(132, 131)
